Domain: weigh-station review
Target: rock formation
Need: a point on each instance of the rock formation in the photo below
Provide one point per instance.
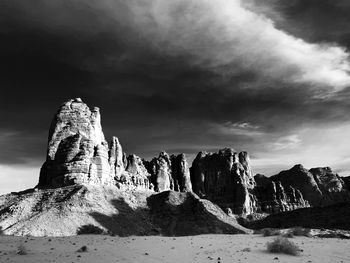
(77, 150)
(78, 153)
(180, 214)
(170, 173)
(274, 198)
(319, 186)
(226, 179)
(135, 175)
(116, 158)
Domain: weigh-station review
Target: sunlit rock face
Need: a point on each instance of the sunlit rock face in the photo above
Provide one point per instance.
(79, 154)
(117, 158)
(226, 179)
(77, 149)
(170, 173)
(135, 175)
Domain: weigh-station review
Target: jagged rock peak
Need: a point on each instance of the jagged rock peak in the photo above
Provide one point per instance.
(224, 177)
(136, 166)
(116, 157)
(319, 186)
(77, 150)
(170, 173)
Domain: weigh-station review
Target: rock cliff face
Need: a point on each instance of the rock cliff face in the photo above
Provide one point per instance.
(77, 149)
(226, 179)
(319, 186)
(170, 173)
(135, 175)
(78, 153)
(274, 198)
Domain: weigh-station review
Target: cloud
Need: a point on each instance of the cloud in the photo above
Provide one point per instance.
(219, 36)
(289, 142)
(226, 38)
(169, 75)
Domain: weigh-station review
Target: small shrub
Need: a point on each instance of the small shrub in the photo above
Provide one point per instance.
(83, 249)
(22, 250)
(266, 232)
(299, 231)
(247, 249)
(90, 229)
(283, 245)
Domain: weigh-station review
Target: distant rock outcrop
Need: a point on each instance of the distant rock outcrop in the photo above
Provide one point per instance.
(170, 173)
(319, 186)
(135, 175)
(226, 179)
(274, 198)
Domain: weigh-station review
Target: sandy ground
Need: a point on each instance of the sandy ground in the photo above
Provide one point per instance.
(205, 248)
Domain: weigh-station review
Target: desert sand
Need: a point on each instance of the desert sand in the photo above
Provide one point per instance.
(203, 248)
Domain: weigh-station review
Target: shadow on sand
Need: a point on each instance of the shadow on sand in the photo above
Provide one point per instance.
(169, 214)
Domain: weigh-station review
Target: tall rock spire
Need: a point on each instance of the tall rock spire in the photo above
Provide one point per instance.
(116, 157)
(77, 150)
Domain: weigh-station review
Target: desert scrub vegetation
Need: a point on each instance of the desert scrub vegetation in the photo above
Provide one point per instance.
(90, 230)
(299, 231)
(283, 245)
(22, 250)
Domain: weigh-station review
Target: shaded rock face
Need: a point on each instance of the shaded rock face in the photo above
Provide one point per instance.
(170, 173)
(181, 214)
(226, 179)
(319, 186)
(77, 149)
(333, 188)
(272, 197)
(335, 216)
(346, 180)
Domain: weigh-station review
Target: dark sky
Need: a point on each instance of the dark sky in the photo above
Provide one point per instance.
(271, 77)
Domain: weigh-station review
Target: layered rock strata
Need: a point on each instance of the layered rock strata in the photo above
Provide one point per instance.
(77, 150)
(79, 154)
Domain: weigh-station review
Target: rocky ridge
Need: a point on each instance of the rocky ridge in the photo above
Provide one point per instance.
(79, 154)
(86, 181)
